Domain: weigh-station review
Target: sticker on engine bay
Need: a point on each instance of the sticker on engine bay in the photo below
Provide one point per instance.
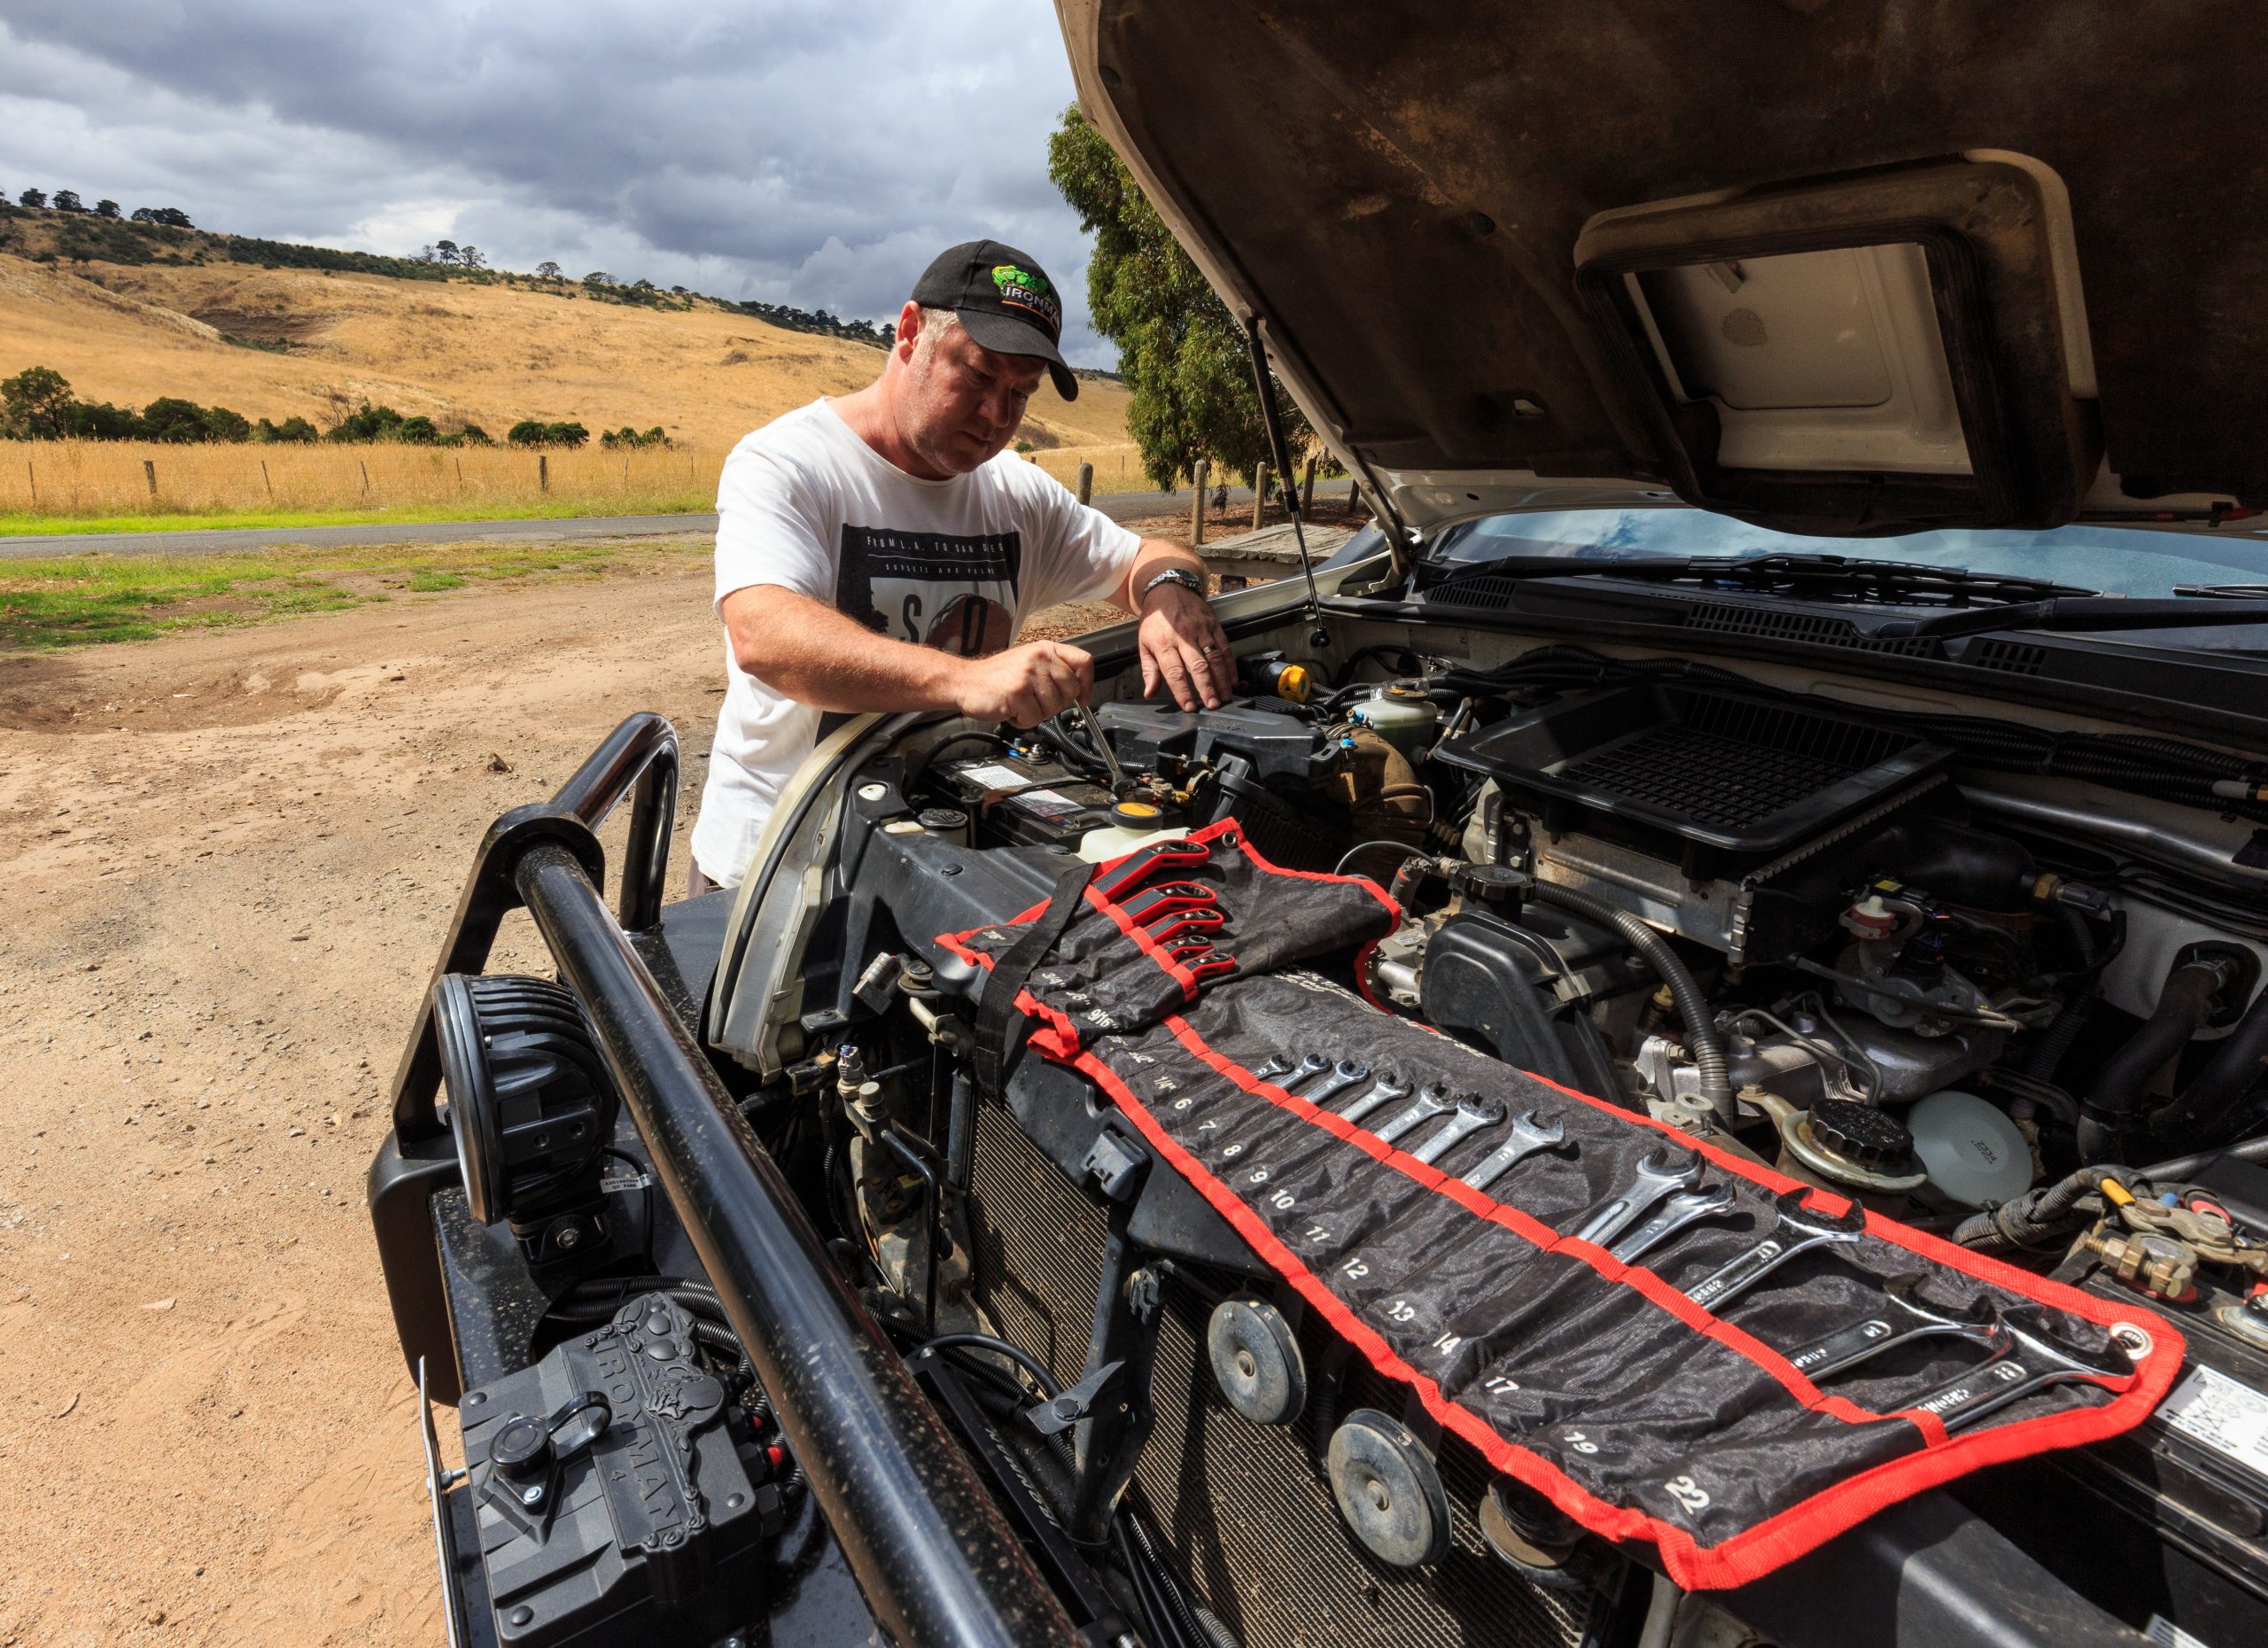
(998, 777)
(1049, 804)
(2229, 1418)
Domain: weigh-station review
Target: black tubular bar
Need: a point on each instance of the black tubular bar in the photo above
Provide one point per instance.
(642, 750)
(932, 1552)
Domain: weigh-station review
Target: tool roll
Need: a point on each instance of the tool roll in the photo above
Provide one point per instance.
(1667, 1339)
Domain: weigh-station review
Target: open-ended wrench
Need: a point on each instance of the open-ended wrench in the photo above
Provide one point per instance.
(1345, 1074)
(1433, 1099)
(1658, 1173)
(1288, 1075)
(1905, 1314)
(1386, 1090)
(1795, 1229)
(1153, 905)
(2024, 1360)
(1684, 1207)
(1472, 1114)
(1529, 1135)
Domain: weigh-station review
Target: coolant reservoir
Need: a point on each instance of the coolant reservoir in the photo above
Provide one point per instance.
(1404, 716)
(1133, 823)
(1974, 1154)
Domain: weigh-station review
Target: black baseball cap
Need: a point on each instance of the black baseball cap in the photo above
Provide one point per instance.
(1005, 301)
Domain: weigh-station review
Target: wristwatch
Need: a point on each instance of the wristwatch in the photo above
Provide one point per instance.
(1181, 575)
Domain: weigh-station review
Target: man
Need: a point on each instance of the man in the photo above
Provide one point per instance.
(879, 552)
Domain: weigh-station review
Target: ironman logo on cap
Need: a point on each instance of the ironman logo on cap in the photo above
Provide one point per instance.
(1026, 290)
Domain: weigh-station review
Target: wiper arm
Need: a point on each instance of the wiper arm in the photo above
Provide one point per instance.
(1781, 572)
(2078, 614)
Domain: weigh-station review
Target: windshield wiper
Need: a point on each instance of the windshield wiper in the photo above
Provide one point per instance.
(2082, 614)
(1828, 575)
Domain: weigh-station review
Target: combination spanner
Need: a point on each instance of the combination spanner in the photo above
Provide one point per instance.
(1658, 1173)
(1386, 1090)
(1905, 1314)
(1433, 1099)
(1472, 1114)
(2024, 1360)
(1795, 1229)
(1287, 1076)
(1343, 1074)
(1529, 1135)
(1684, 1207)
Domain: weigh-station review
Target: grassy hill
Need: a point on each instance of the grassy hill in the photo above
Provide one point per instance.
(129, 313)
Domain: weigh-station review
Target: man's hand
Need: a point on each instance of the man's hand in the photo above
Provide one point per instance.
(1183, 646)
(1024, 685)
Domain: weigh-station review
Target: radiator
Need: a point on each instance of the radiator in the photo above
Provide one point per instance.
(1244, 1509)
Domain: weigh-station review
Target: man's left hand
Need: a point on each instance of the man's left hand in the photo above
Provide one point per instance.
(1183, 646)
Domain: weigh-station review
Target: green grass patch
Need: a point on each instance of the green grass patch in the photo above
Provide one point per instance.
(72, 601)
(690, 501)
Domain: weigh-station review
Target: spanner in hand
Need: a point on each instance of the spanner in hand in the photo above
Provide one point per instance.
(1795, 1229)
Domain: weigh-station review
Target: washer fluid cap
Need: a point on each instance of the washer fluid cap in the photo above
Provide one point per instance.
(1973, 1153)
(1135, 813)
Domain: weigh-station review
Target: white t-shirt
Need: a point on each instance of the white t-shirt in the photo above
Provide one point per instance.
(806, 505)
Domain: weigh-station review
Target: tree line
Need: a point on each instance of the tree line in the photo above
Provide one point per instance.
(37, 404)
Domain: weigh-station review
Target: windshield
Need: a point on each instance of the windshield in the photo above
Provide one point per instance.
(2141, 560)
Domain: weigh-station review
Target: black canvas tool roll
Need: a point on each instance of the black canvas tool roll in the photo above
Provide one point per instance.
(1637, 1411)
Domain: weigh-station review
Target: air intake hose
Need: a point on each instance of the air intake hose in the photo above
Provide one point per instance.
(1701, 1038)
(2110, 1113)
(2205, 1104)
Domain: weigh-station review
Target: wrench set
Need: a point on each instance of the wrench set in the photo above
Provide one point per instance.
(1412, 1226)
(1668, 1192)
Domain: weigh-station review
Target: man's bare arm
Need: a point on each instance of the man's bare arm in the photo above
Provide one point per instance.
(1181, 642)
(806, 650)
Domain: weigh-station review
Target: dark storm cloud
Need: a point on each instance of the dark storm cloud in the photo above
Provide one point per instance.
(813, 154)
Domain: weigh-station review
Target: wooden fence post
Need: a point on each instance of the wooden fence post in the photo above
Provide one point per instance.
(460, 463)
(1259, 493)
(1197, 508)
(265, 482)
(1307, 490)
(1086, 483)
(34, 479)
(543, 471)
(366, 476)
(149, 474)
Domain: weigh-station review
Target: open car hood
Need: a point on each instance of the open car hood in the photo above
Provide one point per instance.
(1833, 268)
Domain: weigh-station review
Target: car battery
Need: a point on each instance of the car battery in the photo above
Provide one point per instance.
(2171, 1530)
(1025, 800)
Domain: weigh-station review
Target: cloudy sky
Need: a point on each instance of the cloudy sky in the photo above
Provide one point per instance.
(809, 153)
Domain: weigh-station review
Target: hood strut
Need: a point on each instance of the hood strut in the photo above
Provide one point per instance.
(1271, 419)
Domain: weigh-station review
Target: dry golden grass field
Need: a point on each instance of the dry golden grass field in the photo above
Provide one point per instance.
(457, 351)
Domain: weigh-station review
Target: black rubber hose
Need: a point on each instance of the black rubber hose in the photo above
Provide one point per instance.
(2116, 1097)
(1701, 1038)
(2056, 1209)
(2222, 1085)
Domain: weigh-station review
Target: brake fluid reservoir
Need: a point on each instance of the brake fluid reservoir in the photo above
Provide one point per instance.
(1404, 716)
(1974, 1153)
(1133, 823)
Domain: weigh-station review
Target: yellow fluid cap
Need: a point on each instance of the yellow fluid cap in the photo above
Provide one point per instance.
(1292, 681)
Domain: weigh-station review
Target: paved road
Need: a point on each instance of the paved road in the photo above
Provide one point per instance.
(1124, 505)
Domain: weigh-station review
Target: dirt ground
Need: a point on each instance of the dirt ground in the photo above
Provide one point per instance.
(231, 859)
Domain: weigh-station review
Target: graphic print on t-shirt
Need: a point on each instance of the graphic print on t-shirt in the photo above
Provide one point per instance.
(938, 589)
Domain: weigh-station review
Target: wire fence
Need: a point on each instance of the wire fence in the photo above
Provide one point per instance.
(93, 479)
